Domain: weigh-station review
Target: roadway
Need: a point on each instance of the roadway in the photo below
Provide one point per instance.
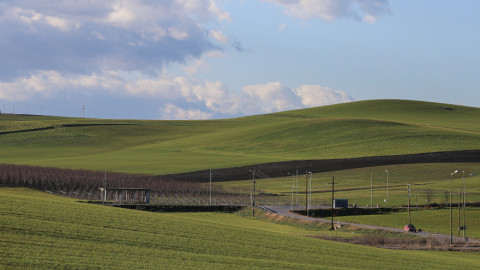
(285, 210)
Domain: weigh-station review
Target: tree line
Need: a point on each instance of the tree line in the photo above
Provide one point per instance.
(86, 184)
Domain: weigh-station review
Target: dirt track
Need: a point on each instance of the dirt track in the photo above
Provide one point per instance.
(284, 210)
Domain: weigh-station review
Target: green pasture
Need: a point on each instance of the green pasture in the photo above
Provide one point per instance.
(429, 181)
(356, 129)
(44, 231)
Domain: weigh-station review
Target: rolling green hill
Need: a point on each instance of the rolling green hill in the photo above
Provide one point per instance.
(357, 129)
(44, 231)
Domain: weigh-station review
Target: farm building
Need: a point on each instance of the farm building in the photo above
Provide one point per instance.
(340, 203)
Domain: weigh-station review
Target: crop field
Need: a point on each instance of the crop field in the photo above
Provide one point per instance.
(357, 129)
(362, 186)
(44, 231)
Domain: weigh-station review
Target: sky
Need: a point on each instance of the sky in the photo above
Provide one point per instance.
(211, 59)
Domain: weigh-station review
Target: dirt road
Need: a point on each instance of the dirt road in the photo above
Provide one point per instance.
(284, 210)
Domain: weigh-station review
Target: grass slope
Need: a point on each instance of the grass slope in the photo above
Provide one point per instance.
(366, 128)
(43, 231)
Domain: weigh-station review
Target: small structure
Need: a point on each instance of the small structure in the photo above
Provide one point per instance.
(126, 195)
(340, 203)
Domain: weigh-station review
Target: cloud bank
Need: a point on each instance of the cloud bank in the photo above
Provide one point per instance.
(123, 48)
(209, 99)
(91, 36)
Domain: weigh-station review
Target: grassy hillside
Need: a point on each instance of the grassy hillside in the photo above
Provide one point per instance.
(366, 128)
(43, 231)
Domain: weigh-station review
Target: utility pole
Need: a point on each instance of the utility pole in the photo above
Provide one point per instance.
(306, 192)
(83, 111)
(451, 210)
(105, 187)
(310, 193)
(293, 188)
(210, 186)
(253, 201)
(371, 189)
(459, 203)
(464, 225)
(387, 185)
(409, 217)
(296, 184)
(333, 199)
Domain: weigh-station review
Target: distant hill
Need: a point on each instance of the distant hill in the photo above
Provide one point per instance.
(356, 129)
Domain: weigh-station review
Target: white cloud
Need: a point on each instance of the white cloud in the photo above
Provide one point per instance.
(204, 9)
(122, 14)
(369, 18)
(270, 97)
(46, 83)
(212, 98)
(219, 36)
(274, 97)
(172, 112)
(91, 36)
(316, 95)
(35, 19)
(329, 10)
(121, 47)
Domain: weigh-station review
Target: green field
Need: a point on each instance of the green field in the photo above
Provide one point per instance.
(40, 230)
(430, 186)
(357, 129)
(44, 231)
(429, 183)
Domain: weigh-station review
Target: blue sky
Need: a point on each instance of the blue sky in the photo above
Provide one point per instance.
(204, 59)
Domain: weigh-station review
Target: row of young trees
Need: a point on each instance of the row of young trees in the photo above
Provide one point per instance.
(86, 184)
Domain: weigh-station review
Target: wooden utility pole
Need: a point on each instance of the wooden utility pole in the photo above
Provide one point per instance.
(409, 217)
(253, 201)
(459, 202)
(105, 187)
(293, 188)
(387, 185)
(464, 224)
(371, 189)
(210, 186)
(306, 193)
(333, 199)
(296, 185)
